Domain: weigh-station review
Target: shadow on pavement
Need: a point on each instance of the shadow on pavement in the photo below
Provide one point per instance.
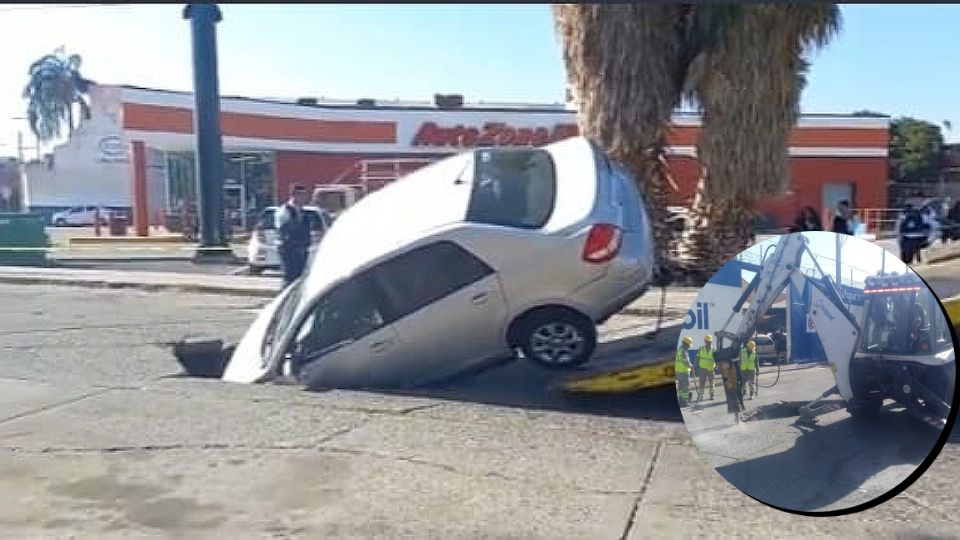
(829, 463)
(522, 384)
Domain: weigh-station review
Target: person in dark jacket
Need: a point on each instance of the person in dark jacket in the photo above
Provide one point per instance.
(841, 220)
(293, 229)
(913, 231)
(808, 220)
(780, 345)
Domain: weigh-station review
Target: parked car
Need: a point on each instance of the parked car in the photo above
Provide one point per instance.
(79, 216)
(262, 251)
(488, 254)
(766, 350)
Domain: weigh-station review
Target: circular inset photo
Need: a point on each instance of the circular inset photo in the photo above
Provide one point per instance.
(816, 373)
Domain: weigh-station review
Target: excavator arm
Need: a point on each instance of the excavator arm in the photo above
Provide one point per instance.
(836, 327)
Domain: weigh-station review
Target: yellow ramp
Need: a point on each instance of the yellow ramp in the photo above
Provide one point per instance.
(625, 379)
(953, 310)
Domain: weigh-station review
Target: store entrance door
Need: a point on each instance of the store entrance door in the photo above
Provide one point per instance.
(235, 205)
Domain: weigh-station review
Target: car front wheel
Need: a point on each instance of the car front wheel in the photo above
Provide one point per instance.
(557, 339)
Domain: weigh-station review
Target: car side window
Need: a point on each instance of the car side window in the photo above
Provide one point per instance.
(426, 274)
(348, 312)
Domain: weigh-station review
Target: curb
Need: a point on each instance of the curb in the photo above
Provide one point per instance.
(107, 240)
(149, 287)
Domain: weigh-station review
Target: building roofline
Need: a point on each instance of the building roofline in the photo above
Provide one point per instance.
(400, 105)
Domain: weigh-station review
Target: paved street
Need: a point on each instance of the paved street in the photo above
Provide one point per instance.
(839, 463)
(102, 439)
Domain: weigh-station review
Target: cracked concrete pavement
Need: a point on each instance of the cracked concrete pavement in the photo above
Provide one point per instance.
(101, 439)
(840, 463)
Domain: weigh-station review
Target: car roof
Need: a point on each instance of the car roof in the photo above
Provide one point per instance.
(428, 201)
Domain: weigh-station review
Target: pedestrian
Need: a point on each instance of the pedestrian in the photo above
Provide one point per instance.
(780, 344)
(293, 229)
(807, 220)
(748, 368)
(682, 368)
(912, 233)
(841, 219)
(707, 367)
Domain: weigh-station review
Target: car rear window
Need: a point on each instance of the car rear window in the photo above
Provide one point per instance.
(513, 188)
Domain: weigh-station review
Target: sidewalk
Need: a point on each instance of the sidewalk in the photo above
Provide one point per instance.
(678, 300)
(266, 287)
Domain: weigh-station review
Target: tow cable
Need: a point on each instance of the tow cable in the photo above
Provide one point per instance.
(662, 278)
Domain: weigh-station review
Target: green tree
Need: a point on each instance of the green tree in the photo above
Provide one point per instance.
(916, 150)
(744, 67)
(627, 66)
(54, 90)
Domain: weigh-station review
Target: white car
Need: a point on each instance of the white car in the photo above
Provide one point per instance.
(79, 216)
(262, 251)
(474, 258)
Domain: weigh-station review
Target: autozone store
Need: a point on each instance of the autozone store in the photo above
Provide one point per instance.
(270, 144)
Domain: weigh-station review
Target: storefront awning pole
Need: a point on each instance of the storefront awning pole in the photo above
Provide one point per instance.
(209, 147)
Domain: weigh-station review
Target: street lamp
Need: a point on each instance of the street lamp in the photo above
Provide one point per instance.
(209, 146)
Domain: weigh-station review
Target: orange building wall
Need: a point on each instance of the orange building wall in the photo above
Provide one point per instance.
(807, 177)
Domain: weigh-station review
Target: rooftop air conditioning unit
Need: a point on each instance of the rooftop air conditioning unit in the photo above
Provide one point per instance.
(307, 101)
(366, 102)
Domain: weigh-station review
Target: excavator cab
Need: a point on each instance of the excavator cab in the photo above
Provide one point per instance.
(905, 351)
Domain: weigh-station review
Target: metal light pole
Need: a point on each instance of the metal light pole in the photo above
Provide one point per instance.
(209, 147)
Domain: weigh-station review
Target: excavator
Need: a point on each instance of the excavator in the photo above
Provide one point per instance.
(900, 348)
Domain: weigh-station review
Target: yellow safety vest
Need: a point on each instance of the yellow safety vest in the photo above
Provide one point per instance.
(682, 364)
(748, 360)
(706, 359)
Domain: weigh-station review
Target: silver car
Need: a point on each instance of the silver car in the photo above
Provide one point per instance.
(476, 257)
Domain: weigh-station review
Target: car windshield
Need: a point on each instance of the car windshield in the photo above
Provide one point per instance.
(281, 319)
(513, 188)
(898, 322)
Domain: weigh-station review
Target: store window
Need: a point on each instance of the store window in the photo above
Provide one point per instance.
(248, 178)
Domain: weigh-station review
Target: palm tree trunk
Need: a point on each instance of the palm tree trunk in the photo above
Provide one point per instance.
(651, 173)
(723, 228)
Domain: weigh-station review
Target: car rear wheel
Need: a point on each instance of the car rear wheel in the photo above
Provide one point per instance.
(557, 338)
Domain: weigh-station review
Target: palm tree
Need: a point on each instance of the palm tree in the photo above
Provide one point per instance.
(748, 89)
(55, 86)
(631, 66)
(627, 66)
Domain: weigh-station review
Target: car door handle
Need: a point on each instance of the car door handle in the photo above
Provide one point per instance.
(480, 298)
(381, 346)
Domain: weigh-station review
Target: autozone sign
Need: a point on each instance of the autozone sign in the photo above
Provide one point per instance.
(490, 134)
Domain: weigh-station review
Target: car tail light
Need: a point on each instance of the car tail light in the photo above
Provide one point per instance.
(603, 243)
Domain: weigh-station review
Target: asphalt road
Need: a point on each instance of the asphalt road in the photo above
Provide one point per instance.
(101, 438)
(839, 463)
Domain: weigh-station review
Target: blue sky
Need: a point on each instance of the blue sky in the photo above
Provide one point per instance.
(897, 59)
(859, 258)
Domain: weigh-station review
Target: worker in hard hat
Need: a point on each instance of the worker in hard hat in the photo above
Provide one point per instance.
(748, 368)
(707, 366)
(682, 367)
